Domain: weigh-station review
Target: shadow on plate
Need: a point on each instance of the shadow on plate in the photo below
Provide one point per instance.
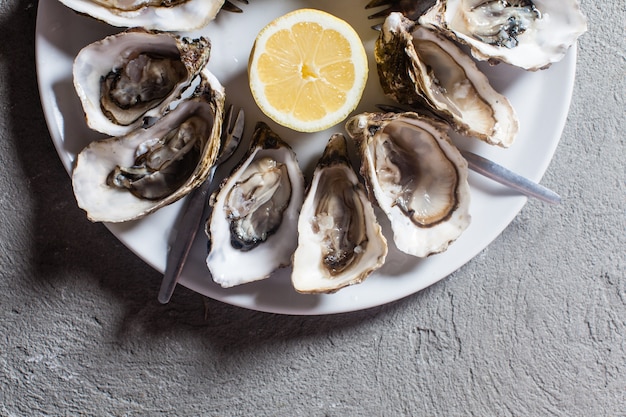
(76, 135)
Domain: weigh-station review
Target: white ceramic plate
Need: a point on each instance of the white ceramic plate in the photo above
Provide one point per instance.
(541, 100)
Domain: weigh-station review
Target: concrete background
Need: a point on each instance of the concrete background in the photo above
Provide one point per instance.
(533, 326)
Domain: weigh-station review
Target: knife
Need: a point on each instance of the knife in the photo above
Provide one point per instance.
(193, 211)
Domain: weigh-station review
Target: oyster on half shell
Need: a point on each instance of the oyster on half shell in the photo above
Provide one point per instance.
(340, 242)
(418, 66)
(131, 75)
(530, 34)
(165, 15)
(416, 175)
(252, 228)
(127, 177)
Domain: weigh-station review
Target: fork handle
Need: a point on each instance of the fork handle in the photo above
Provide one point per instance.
(509, 178)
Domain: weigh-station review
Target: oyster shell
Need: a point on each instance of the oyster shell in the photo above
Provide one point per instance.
(418, 66)
(417, 176)
(126, 77)
(528, 34)
(127, 177)
(252, 228)
(340, 242)
(168, 15)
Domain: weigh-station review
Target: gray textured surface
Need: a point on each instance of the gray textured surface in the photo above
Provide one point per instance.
(535, 325)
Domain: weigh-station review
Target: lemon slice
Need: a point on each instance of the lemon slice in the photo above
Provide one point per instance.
(307, 70)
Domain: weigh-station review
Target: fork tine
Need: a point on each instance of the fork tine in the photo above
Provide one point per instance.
(228, 118)
(382, 13)
(376, 3)
(230, 139)
(412, 9)
(229, 7)
(239, 121)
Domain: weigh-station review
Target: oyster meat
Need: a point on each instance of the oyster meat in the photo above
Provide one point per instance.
(127, 77)
(417, 176)
(340, 242)
(420, 67)
(163, 15)
(530, 34)
(252, 228)
(127, 177)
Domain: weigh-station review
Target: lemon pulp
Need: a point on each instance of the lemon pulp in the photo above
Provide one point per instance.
(307, 70)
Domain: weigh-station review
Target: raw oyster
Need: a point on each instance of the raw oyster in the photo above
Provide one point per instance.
(340, 242)
(165, 15)
(417, 176)
(252, 228)
(126, 77)
(418, 66)
(528, 34)
(127, 177)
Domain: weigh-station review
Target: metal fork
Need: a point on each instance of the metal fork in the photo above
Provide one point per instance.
(193, 210)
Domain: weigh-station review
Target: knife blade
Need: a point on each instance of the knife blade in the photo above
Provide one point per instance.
(193, 211)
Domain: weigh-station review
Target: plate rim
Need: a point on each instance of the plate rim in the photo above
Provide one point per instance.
(516, 204)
